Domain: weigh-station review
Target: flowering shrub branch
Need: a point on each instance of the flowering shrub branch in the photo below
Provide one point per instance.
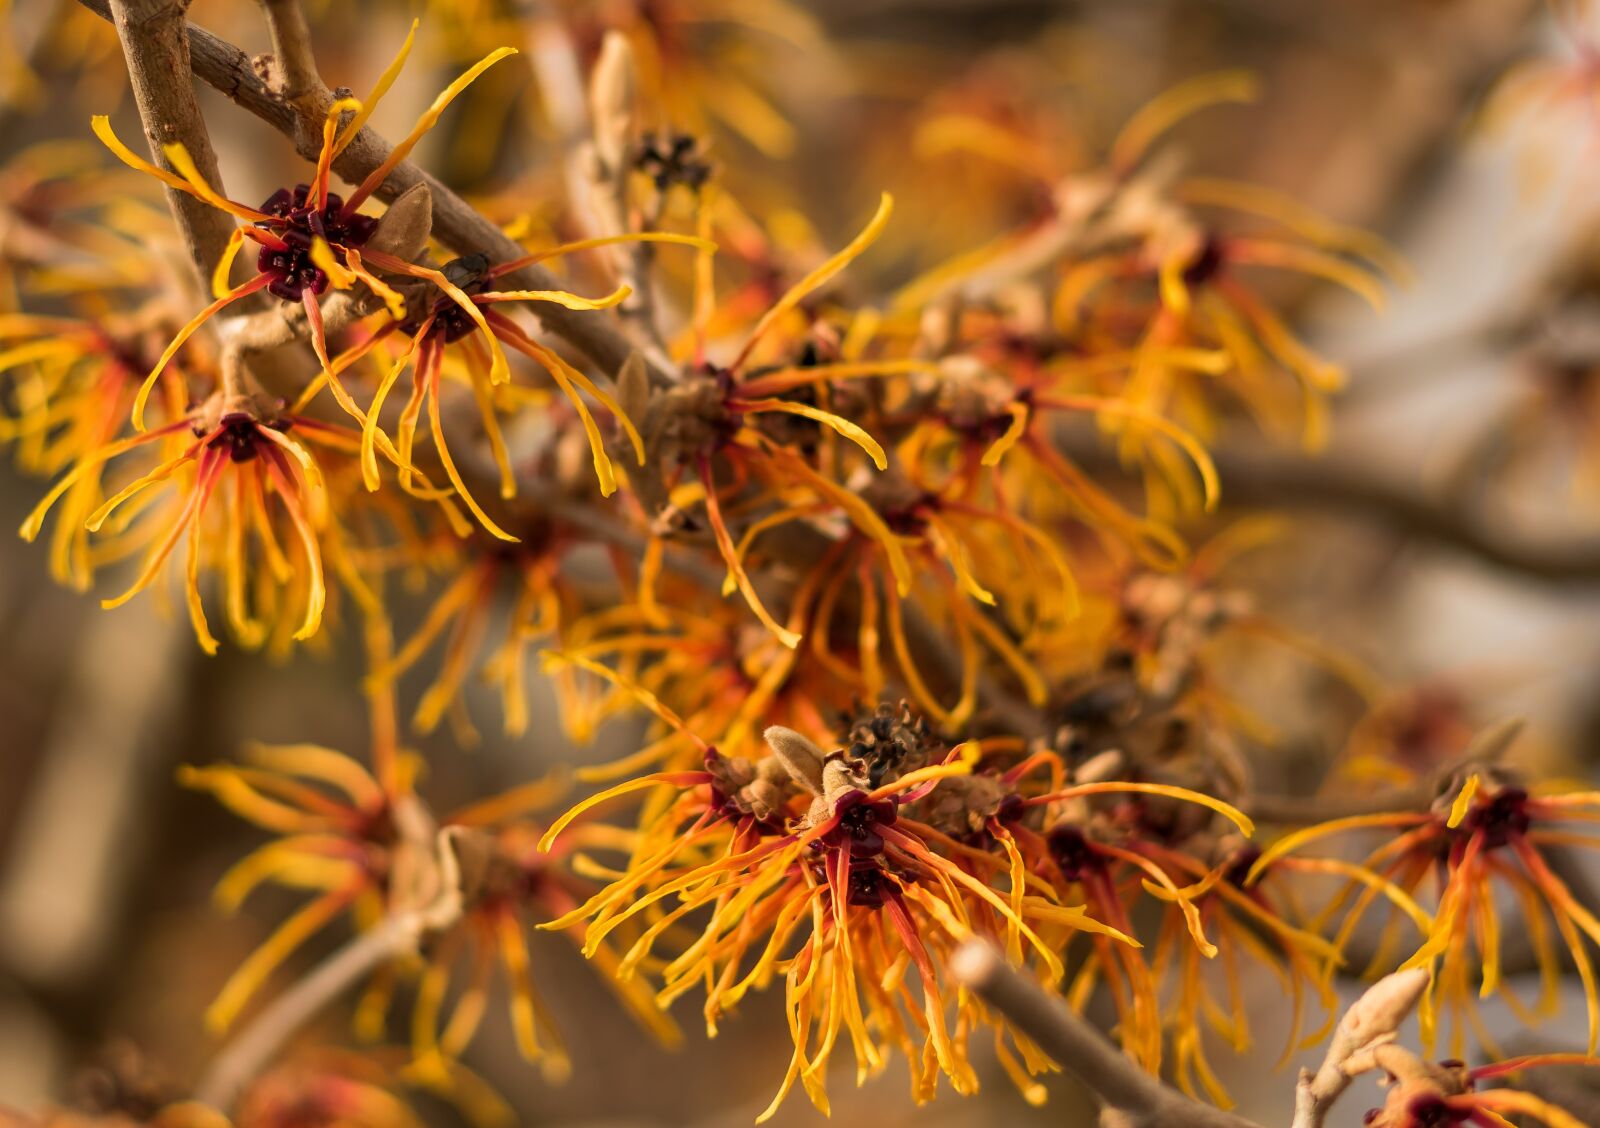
(230, 71)
(940, 740)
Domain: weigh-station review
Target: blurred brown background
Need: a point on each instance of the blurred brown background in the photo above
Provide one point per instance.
(106, 932)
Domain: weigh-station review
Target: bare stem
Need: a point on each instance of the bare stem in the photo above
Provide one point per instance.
(430, 898)
(157, 54)
(291, 48)
(1341, 486)
(259, 1042)
(1305, 810)
(613, 96)
(1274, 480)
(1366, 1031)
(1485, 749)
(1130, 1097)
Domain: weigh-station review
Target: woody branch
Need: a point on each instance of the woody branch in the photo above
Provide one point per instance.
(157, 54)
(455, 222)
(1129, 1097)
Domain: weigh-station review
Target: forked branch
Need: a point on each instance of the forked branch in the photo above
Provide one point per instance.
(455, 222)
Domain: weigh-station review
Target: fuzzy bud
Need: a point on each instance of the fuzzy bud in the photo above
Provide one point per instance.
(799, 755)
(1362, 1034)
(633, 387)
(613, 95)
(403, 230)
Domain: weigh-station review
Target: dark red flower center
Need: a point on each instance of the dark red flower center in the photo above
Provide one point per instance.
(298, 222)
(1430, 1111)
(1205, 265)
(1239, 868)
(1500, 818)
(857, 821)
(240, 435)
(868, 886)
(1073, 853)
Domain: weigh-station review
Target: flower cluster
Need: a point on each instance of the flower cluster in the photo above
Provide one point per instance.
(911, 578)
(844, 871)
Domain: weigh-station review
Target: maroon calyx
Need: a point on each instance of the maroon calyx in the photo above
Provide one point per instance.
(856, 822)
(297, 223)
(1073, 853)
(1206, 265)
(1240, 865)
(1499, 819)
(239, 433)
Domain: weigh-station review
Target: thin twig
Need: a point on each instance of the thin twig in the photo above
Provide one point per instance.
(430, 898)
(260, 1041)
(609, 155)
(158, 59)
(1485, 749)
(292, 51)
(1130, 1097)
(1270, 479)
(1366, 1029)
(1307, 810)
(1342, 486)
(1407, 511)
